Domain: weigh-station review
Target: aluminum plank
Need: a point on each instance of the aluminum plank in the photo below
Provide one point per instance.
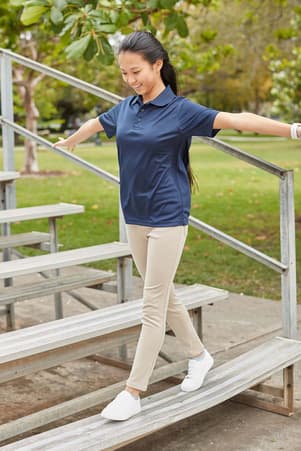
(53, 285)
(63, 259)
(170, 406)
(23, 239)
(44, 337)
(38, 212)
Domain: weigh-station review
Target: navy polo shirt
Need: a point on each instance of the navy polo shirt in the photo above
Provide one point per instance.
(153, 141)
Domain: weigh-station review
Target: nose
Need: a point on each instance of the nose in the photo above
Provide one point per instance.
(131, 80)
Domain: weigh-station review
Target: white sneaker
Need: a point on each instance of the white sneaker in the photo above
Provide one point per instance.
(122, 407)
(197, 371)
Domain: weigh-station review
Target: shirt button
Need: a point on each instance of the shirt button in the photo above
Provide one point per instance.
(142, 109)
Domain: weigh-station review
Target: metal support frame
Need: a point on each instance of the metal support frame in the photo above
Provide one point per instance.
(124, 277)
(282, 401)
(288, 255)
(289, 299)
(53, 243)
(286, 267)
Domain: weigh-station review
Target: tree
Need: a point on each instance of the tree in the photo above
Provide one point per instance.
(286, 90)
(239, 77)
(83, 27)
(34, 43)
(86, 25)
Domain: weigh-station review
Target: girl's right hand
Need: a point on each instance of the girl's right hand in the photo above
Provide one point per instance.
(64, 143)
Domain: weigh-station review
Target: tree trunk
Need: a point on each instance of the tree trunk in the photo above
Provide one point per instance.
(32, 114)
(26, 82)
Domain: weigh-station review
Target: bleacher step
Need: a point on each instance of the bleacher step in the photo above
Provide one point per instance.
(53, 285)
(18, 345)
(38, 212)
(23, 239)
(170, 406)
(63, 259)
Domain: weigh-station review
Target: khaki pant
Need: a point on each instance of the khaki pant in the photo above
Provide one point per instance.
(156, 252)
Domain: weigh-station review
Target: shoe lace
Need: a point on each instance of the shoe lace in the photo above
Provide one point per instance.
(191, 366)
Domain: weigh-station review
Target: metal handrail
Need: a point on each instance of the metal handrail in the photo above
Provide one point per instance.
(73, 81)
(238, 245)
(70, 156)
(114, 98)
(242, 155)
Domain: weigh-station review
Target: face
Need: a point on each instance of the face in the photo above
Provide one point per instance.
(140, 75)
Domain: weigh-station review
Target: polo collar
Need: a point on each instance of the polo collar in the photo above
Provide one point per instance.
(163, 99)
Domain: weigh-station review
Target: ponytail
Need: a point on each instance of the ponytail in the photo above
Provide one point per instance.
(169, 76)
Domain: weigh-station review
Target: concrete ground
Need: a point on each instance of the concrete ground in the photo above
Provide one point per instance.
(230, 327)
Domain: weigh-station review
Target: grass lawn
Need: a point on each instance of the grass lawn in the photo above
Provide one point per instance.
(237, 198)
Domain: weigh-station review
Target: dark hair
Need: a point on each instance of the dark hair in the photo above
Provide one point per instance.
(151, 49)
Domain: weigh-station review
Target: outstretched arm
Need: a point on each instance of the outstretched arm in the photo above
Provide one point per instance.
(88, 129)
(250, 122)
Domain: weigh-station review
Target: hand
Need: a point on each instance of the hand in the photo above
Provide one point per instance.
(64, 143)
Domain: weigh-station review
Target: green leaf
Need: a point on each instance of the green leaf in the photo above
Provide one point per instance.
(144, 17)
(106, 56)
(168, 4)
(78, 47)
(123, 18)
(208, 35)
(91, 50)
(182, 27)
(153, 4)
(60, 4)
(17, 2)
(171, 21)
(105, 28)
(56, 16)
(32, 14)
(30, 3)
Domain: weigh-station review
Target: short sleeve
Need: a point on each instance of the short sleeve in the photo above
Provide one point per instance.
(109, 120)
(196, 120)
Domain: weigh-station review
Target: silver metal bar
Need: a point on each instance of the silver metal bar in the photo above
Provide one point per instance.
(73, 81)
(124, 277)
(288, 256)
(70, 156)
(58, 301)
(242, 155)
(124, 265)
(7, 111)
(9, 196)
(238, 245)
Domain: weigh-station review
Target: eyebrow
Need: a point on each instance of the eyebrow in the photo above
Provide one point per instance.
(133, 67)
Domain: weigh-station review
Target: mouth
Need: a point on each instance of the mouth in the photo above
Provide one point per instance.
(137, 87)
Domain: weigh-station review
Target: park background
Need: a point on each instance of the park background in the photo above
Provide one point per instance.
(233, 56)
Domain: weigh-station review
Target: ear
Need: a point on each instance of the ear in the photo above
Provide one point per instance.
(158, 65)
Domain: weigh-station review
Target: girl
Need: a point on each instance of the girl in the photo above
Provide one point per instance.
(153, 131)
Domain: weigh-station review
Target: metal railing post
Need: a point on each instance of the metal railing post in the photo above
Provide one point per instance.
(124, 276)
(288, 255)
(125, 266)
(7, 111)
